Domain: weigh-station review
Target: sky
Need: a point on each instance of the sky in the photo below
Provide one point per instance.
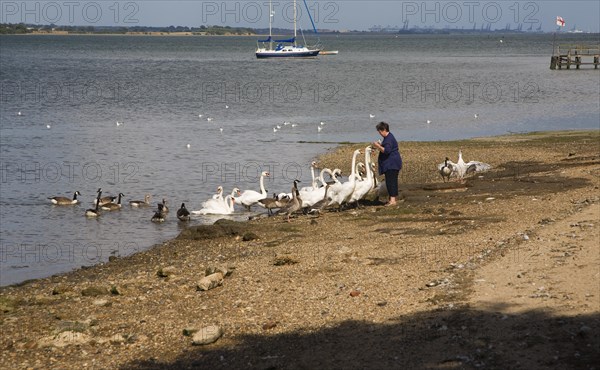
(336, 15)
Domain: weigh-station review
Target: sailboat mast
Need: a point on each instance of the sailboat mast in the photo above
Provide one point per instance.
(294, 22)
(270, 24)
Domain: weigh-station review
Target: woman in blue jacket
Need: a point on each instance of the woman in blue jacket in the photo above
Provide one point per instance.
(389, 161)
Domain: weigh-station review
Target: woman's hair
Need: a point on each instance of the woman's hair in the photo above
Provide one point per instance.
(382, 126)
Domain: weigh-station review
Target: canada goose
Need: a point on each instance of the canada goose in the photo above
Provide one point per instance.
(446, 169)
(320, 205)
(104, 200)
(295, 204)
(159, 215)
(113, 206)
(165, 209)
(461, 169)
(183, 214)
(94, 212)
(64, 201)
(251, 197)
(141, 203)
(273, 203)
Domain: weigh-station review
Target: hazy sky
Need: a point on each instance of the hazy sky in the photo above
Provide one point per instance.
(340, 15)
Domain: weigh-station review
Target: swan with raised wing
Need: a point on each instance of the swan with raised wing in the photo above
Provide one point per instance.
(218, 206)
(251, 197)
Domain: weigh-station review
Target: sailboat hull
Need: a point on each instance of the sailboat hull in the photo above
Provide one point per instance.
(263, 54)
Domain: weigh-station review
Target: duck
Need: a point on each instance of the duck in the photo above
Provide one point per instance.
(141, 203)
(295, 203)
(94, 212)
(446, 169)
(113, 206)
(159, 215)
(64, 201)
(251, 197)
(183, 214)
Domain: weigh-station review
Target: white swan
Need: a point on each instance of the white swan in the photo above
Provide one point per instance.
(364, 186)
(219, 194)
(314, 186)
(251, 197)
(341, 194)
(461, 169)
(218, 206)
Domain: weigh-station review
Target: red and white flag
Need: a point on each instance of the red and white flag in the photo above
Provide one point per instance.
(560, 21)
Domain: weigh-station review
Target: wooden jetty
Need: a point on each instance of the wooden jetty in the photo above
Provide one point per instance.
(575, 55)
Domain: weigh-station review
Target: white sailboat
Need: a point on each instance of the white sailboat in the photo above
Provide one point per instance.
(287, 48)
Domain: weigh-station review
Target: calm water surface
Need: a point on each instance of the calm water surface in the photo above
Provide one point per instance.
(80, 86)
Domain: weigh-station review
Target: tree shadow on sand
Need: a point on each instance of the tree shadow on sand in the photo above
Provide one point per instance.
(441, 339)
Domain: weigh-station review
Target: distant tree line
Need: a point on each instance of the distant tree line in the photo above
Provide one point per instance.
(21, 28)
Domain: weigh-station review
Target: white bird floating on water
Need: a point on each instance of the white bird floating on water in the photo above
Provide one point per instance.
(221, 129)
(209, 119)
(319, 128)
(199, 116)
(188, 146)
(48, 127)
(286, 123)
(275, 129)
(294, 125)
(19, 113)
(460, 169)
(428, 121)
(119, 123)
(278, 127)
(371, 116)
(227, 107)
(322, 123)
(476, 115)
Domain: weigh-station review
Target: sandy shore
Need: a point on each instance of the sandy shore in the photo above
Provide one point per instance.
(500, 272)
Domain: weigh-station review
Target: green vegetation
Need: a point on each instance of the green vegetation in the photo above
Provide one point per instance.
(21, 28)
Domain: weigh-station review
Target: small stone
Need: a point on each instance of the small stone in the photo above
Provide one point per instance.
(382, 303)
(101, 302)
(584, 331)
(94, 291)
(210, 281)
(114, 290)
(249, 236)
(269, 325)
(166, 271)
(59, 290)
(284, 260)
(112, 259)
(354, 293)
(207, 335)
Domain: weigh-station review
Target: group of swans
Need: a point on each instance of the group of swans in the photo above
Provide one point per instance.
(217, 205)
(460, 169)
